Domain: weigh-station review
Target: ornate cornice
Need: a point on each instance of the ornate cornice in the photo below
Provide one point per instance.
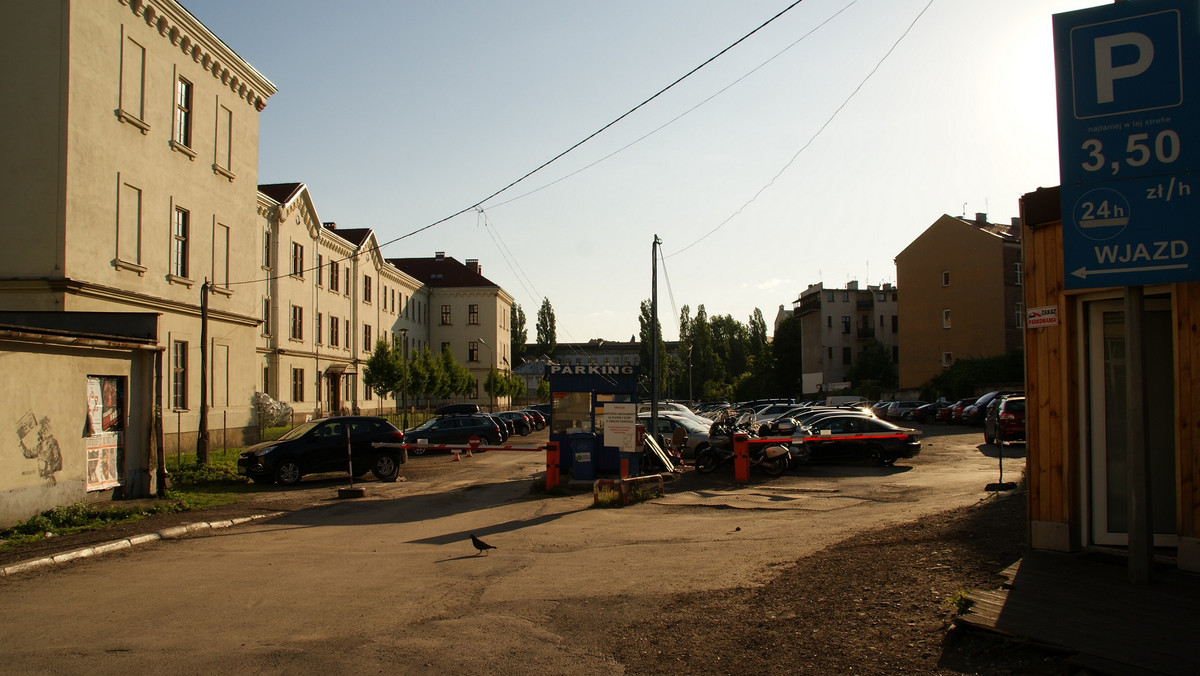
(184, 31)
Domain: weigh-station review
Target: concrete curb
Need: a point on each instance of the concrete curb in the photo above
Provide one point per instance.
(118, 545)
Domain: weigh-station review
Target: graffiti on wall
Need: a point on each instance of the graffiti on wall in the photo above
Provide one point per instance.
(37, 443)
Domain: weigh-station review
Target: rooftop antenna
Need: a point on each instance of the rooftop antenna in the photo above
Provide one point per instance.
(964, 215)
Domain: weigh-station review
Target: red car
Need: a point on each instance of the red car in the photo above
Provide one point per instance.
(1005, 420)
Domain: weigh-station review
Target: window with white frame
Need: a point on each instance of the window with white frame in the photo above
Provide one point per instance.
(1018, 272)
(945, 278)
(947, 359)
(946, 318)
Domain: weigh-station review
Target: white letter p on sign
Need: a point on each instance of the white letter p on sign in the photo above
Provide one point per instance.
(1106, 74)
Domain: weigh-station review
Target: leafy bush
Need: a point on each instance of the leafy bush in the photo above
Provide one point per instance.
(219, 473)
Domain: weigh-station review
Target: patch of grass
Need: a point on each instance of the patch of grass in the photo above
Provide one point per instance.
(78, 518)
(607, 500)
(959, 601)
(192, 487)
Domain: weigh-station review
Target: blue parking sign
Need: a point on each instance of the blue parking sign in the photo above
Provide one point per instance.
(1129, 142)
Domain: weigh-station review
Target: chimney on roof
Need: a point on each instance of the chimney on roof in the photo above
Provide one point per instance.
(473, 266)
(1016, 222)
(980, 218)
(439, 255)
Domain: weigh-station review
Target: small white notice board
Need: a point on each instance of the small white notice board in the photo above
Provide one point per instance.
(620, 426)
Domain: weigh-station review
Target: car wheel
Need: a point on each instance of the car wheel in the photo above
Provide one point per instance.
(385, 468)
(288, 473)
(876, 457)
(707, 462)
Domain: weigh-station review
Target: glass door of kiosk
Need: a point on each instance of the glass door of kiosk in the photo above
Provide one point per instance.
(1108, 413)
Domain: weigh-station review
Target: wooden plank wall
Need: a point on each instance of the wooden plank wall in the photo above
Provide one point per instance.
(1051, 379)
(1053, 382)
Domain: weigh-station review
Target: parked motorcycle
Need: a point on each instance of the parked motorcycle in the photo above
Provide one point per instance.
(771, 458)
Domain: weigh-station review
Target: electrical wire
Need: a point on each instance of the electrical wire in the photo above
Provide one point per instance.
(560, 155)
(812, 138)
(681, 115)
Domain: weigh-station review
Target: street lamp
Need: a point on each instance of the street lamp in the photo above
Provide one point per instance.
(491, 396)
(404, 381)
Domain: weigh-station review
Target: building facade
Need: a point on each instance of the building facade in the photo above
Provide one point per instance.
(465, 312)
(328, 296)
(962, 295)
(129, 185)
(836, 325)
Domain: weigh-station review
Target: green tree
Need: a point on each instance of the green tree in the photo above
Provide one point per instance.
(382, 372)
(518, 335)
(787, 351)
(547, 336)
(644, 350)
(706, 365)
(516, 385)
(874, 363)
(543, 389)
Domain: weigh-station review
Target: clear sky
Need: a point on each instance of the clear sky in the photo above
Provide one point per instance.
(814, 151)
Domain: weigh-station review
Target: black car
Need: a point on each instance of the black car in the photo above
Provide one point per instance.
(521, 423)
(454, 429)
(857, 437)
(320, 446)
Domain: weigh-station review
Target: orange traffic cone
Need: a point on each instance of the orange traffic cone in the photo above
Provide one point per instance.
(456, 458)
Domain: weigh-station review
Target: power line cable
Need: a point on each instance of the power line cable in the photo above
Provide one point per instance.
(589, 137)
(812, 138)
(681, 115)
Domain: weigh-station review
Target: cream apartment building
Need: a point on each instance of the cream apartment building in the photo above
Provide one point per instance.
(836, 324)
(328, 294)
(466, 312)
(130, 180)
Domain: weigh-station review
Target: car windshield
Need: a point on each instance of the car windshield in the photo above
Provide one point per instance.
(427, 424)
(299, 430)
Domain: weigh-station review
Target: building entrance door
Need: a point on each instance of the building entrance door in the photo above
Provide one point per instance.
(334, 391)
(1109, 420)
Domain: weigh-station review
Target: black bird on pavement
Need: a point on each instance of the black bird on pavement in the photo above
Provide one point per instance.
(481, 545)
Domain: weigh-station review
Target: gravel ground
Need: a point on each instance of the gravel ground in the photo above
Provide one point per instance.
(873, 604)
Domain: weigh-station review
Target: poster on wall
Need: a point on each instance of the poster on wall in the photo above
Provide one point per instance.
(102, 452)
(103, 437)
